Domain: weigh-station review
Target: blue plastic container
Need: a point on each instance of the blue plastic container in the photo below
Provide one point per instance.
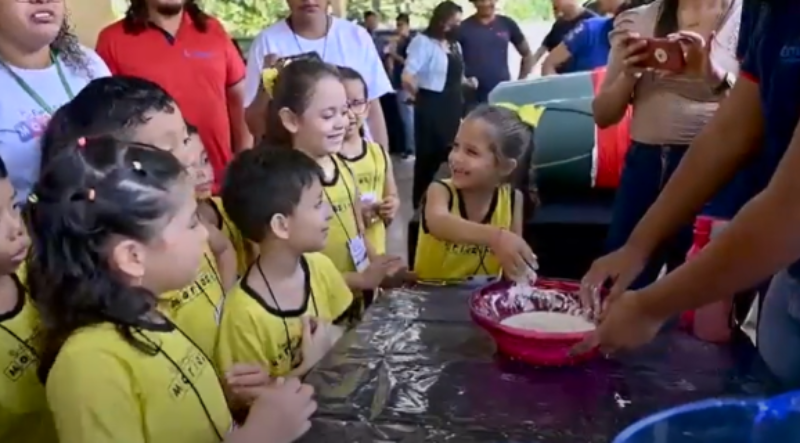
(775, 420)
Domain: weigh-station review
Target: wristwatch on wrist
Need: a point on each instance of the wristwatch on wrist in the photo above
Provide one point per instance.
(725, 84)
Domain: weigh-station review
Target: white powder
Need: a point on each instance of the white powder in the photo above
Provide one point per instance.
(548, 322)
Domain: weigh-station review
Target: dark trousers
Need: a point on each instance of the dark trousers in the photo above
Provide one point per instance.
(436, 120)
(647, 169)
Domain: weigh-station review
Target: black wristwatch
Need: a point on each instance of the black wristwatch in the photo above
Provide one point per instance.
(725, 85)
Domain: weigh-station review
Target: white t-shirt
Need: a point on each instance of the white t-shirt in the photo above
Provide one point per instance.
(23, 121)
(347, 45)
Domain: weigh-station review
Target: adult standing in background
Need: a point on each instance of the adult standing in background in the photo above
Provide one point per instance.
(396, 63)
(569, 13)
(339, 42)
(484, 39)
(174, 44)
(434, 76)
(42, 66)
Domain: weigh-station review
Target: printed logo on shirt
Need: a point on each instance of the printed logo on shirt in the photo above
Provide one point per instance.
(204, 283)
(32, 125)
(192, 366)
(790, 54)
(197, 54)
(367, 180)
(21, 358)
(290, 354)
(462, 249)
(341, 206)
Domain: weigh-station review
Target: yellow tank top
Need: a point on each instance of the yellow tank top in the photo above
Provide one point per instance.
(253, 332)
(196, 309)
(370, 168)
(340, 193)
(234, 235)
(102, 389)
(438, 260)
(24, 416)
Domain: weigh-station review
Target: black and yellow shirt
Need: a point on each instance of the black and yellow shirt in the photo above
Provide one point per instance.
(438, 260)
(370, 169)
(341, 192)
(233, 234)
(197, 308)
(24, 416)
(102, 389)
(254, 332)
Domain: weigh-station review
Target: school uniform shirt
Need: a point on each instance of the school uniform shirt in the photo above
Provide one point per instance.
(340, 193)
(228, 229)
(370, 169)
(442, 260)
(102, 389)
(24, 416)
(254, 332)
(195, 67)
(196, 309)
(345, 44)
(23, 119)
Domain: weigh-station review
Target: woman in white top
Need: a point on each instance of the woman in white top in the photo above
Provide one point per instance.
(42, 66)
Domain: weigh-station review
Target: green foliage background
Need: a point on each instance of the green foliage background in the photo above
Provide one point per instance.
(245, 18)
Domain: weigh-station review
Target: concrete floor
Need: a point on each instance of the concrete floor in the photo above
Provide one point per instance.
(397, 234)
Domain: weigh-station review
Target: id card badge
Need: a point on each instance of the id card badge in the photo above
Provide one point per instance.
(358, 252)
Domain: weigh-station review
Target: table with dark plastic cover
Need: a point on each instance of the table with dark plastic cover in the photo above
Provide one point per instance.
(418, 370)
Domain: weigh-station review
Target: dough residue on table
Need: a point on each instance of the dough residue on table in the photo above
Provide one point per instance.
(548, 322)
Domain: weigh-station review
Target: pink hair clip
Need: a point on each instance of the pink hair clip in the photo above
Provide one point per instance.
(90, 195)
(82, 142)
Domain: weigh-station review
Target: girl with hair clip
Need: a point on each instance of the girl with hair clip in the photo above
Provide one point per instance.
(42, 66)
(24, 416)
(309, 112)
(471, 225)
(369, 163)
(114, 223)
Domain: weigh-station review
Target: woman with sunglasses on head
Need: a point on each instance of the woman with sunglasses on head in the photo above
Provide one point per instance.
(42, 66)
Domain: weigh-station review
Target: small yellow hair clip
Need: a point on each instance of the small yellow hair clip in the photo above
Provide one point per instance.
(268, 78)
(33, 198)
(528, 114)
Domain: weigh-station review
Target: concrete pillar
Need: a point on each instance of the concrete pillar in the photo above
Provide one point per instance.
(88, 17)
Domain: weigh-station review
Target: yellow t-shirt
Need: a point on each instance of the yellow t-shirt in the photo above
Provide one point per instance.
(101, 389)
(196, 309)
(370, 169)
(234, 235)
(24, 416)
(340, 193)
(253, 332)
(442, 260)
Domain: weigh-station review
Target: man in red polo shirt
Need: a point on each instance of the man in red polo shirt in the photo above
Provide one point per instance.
(188, 53)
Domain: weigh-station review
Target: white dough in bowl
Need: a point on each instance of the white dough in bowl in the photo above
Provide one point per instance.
(557, 322)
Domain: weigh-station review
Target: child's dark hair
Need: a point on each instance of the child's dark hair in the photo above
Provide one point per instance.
(279, 172)
(106, 106)
(293, 90)
(191, 129)
(3, 169)
(351, 74)
(89, 195)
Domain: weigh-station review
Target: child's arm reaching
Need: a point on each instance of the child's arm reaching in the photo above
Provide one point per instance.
(225, 255)
(445, 226)
(319, 337)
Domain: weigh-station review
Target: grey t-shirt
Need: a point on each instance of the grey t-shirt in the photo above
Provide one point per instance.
(23, 121)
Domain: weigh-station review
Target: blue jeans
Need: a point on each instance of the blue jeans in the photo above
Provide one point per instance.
(407, 116)
(779, 329)
(647, 169)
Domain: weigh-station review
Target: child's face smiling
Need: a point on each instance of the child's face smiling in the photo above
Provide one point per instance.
(321, 129)
(472, 161)
(357, 103)
(14, 241)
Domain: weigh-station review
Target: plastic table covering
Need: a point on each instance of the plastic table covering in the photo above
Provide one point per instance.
(418, 370)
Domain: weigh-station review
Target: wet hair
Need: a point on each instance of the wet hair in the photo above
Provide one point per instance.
(293, 89)
(442, 13)
(347, 73)
(403, 18)
(89, 195)
(279, 172)
(107, 105)
(136, 17)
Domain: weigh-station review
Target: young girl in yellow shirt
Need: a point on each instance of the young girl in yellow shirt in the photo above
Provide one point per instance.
(138, 110)
(308, 111)
(370, 164)
(115, 223)
(24, 416)
(471, 225)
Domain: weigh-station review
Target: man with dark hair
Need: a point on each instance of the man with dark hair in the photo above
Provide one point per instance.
(484, 38)
(188, 53)
(371, 21)
(569, 14)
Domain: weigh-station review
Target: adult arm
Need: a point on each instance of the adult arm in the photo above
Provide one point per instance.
(574, 43)
(416, 59)
(615, 94)
(378, 84)
(256, 101)
(517, 39)
(556, 58)
(235, 96)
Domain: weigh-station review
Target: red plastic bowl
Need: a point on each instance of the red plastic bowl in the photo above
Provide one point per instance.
(493, 303)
